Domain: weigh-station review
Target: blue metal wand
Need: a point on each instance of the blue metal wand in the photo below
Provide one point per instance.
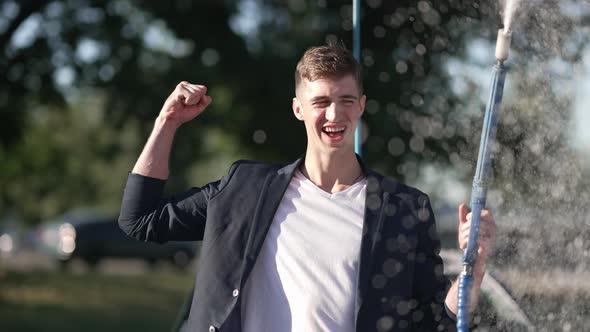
(479, 187)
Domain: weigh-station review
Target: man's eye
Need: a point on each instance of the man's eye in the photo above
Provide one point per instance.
(348, 102)
(321, 104)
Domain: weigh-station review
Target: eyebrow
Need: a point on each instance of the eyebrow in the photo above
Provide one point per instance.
(323, 98)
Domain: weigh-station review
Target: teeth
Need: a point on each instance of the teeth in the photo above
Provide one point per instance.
(333, 129)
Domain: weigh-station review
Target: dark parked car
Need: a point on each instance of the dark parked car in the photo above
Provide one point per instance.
(92, 237)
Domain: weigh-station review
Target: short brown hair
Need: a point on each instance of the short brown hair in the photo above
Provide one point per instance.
(328, 61)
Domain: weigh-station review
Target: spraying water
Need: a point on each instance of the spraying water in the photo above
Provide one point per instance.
(539, 115)
(509, 9)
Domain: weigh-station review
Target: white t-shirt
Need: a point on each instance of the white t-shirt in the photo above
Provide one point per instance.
(305, 278)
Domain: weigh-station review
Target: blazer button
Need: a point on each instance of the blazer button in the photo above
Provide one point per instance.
(212, 328)
(235, 293)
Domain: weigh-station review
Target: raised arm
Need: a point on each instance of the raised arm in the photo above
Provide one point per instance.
(185, 103)
(145, 215)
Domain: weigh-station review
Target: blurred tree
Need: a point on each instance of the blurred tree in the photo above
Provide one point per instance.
(66, 160)
(129, 55)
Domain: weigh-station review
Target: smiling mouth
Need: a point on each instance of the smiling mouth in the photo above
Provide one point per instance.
(333, 132)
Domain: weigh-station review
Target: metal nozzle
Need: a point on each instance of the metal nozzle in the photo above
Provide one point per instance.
(503, 45)
(467, 269)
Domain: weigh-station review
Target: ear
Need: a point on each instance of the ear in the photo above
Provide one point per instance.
(362, 103)
(297, 109)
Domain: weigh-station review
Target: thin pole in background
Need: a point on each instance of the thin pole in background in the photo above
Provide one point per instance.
(356, 51)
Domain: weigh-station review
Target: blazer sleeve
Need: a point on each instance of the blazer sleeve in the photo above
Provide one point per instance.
(147, 216)
(431, 285)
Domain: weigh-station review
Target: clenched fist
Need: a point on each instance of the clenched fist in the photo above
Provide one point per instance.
(185, 103)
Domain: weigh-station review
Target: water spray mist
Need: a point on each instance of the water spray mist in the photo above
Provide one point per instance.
(479, 188)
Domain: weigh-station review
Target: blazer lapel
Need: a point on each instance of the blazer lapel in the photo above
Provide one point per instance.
(375, 201)
(269, 199)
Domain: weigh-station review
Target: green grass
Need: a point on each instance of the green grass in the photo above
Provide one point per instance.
(56, 301)
(89, 302)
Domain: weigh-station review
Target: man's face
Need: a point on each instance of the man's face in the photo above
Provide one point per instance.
(330, 109)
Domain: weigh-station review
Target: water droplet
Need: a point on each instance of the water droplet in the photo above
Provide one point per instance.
(423, 214)
(401, 67)
(385, 323)
(390, 210)
(417, 316)
(417, 144)
(420, 49)
(373, 202)
(347, 24)
(379, 31)
(423, 6)
(379, 281)
(408, 222)
(372, 184)
(331, 39)
(396, 146)
(209, 57)
(259, 136)
(403, 308)
(374, 3)
(368, 60)
(372, 106)
(391, 267)
(417, 100)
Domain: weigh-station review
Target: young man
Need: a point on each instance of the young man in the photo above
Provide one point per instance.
(322, 244)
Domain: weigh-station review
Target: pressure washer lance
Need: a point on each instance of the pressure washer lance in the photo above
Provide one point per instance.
(479, 188)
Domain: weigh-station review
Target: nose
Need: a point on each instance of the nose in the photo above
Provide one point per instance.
(331, 112)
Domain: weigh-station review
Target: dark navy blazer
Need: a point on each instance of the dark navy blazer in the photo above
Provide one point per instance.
(401, 285)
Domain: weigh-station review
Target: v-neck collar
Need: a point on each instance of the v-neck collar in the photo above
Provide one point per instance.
(337, 195)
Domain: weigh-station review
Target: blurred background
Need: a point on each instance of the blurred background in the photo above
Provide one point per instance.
(82, 82)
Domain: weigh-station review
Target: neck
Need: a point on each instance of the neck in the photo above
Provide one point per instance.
(333, 172)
